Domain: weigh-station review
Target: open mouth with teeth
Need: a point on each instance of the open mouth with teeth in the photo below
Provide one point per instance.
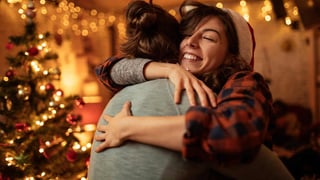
(191, 57)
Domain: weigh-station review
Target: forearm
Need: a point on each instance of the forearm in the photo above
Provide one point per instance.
(138, 70)
(163, 131)
(156, 70)
(129, 71)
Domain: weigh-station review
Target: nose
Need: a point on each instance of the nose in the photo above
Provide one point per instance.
(192, 41)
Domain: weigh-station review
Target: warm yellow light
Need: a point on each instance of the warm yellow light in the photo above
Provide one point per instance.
(52, 103)
(111, 19)
(102, 22)
(5, 78)
(39, 123)
(219, 5)
(288, 21)
(93, 12)
(60, 31)
(243, 3)
(83, 148)
(71, 5)
(246, 17)
(36, 67)
(45, 72)
(62, 106)
(13, 1)
(40, 36)
(44, 10)
(44, 117)
(76, 146)
(85, 32)
(172, 12)
(9, 159)
(267, 18)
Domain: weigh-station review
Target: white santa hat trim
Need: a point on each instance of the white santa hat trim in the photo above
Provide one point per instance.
(245, 36)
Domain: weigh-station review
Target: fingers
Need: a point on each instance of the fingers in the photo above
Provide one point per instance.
(212, 98)
(102, 128)
(126, 108)
(191, 96)
(102, 146)
(177, 94)
(106, 117)
(100, 137)
(207, 96)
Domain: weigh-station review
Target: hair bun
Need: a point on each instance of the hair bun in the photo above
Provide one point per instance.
(141, 15)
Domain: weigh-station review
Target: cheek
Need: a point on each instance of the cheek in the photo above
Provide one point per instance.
(182, 44)
(213, 61)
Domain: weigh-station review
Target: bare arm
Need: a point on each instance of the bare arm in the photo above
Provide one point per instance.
(163, 131)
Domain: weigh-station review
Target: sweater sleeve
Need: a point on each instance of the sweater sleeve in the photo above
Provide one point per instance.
(115, 73)
(129, 71)
(232, 132)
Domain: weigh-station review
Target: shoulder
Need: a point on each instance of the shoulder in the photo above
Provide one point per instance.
(246, 78)
(247, 83)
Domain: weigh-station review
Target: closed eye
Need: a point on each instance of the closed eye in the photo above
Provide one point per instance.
(209, 38)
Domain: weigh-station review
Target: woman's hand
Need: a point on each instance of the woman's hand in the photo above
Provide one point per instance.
(113, 134)
(184, 80)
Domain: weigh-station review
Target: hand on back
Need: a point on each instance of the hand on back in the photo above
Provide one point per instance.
(185, 80)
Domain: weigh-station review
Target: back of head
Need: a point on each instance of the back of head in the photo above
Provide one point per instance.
(151, 33)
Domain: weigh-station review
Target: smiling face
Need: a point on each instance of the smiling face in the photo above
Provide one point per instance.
(205, 49)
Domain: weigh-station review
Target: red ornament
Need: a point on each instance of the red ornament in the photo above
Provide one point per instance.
(30, 13)
(33, 51)
(50, 87)
(9, 46)
(71, 155)
(73, 119)
(10, 73)
(58, 39)
(88, 162)
(21, 127)
(80, 102)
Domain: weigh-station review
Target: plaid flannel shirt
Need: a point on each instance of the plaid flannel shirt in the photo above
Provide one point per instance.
(233, 131)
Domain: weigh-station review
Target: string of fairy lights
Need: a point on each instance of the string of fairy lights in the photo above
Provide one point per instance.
(69, 17)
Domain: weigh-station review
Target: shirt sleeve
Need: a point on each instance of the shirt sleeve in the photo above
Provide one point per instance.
(115, 73)
(234, 130)
(129, 71)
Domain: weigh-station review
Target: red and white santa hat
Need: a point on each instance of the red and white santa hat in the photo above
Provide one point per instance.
(245, 36)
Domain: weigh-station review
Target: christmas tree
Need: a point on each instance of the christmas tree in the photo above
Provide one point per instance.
(37, 123)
